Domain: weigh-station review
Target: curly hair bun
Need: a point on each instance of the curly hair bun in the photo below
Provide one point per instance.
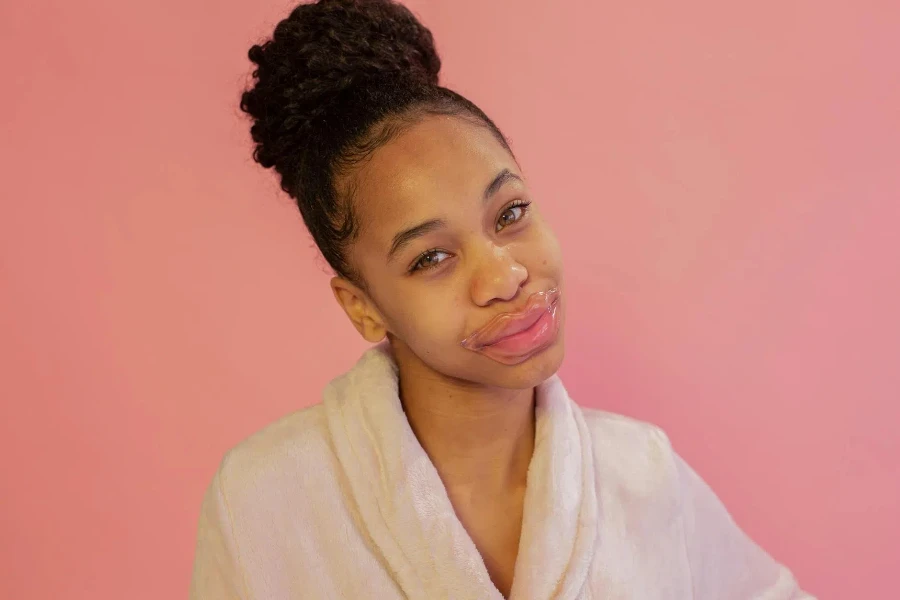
(321, 54)
(338, 79)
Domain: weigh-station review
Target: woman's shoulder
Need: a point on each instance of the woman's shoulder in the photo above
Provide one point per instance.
(636, 454)
(294, 450)
(611, 430)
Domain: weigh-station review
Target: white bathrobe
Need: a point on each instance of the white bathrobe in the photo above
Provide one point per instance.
(340, 501)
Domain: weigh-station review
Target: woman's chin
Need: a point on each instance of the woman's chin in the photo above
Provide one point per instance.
(531, 370)
(480, 368)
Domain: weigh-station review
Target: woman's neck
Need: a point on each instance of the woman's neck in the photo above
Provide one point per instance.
(480, 439)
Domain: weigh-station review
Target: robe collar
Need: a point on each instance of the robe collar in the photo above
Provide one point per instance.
(406, 513)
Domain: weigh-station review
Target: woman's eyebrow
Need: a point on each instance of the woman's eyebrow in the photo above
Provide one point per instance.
(405, 237)
(501, 178)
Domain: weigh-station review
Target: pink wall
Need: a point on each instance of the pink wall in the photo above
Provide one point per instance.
(724, 178)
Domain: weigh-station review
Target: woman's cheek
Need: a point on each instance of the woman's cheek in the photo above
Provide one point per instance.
(540, 251)
(550, 249)
(429, 318)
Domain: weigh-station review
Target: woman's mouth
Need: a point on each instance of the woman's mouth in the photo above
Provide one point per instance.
(513, 337)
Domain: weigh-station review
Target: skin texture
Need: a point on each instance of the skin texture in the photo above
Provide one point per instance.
(473, 415)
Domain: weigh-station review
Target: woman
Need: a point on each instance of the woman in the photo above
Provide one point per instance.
(449, 462)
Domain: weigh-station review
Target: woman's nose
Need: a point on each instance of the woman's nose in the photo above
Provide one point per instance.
(498, 277)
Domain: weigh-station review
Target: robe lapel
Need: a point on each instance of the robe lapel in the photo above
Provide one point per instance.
(403, 505)
(398, 493)
(559, 528)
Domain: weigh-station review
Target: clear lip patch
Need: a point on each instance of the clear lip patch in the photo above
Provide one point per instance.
(537, 302)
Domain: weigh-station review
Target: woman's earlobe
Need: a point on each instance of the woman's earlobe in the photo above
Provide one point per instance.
(358, 309)
(372, 331)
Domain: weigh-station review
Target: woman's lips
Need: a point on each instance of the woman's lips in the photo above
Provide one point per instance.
(514, 335)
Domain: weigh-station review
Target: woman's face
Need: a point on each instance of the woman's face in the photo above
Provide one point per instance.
(450, 239)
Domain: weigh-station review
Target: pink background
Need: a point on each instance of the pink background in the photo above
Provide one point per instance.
(724, 178)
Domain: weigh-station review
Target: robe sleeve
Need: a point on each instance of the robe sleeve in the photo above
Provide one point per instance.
(217, 574)
(724, 561)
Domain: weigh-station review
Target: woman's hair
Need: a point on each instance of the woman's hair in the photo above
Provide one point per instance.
(337, 80)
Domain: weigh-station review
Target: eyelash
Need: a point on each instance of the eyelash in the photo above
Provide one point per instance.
(523, 204)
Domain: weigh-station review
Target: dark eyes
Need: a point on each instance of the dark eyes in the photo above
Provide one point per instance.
(511, 215)
(429, 260)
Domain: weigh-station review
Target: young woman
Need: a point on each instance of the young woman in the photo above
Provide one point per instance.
(449, 462)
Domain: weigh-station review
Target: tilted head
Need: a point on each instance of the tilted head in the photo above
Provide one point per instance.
(411, 193)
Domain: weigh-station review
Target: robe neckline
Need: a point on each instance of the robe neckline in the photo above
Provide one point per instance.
(405, 510)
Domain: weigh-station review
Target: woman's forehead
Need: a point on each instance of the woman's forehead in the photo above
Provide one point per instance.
(436, 164)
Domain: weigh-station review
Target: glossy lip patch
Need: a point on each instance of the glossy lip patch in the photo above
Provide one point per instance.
(510, 337)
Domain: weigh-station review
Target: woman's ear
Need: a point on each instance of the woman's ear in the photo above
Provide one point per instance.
(360, 309)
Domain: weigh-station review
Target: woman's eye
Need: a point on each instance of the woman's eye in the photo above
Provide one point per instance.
(511, 215)
(430, 259)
